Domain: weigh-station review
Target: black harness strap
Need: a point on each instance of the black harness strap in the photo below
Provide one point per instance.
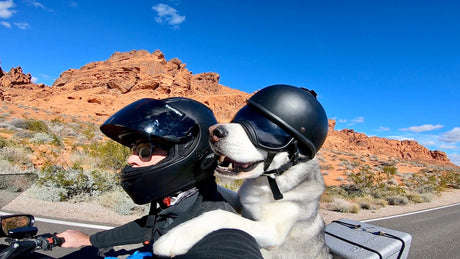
(271, 175)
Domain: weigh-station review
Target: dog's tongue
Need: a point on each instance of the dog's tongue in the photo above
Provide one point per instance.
(233, 164)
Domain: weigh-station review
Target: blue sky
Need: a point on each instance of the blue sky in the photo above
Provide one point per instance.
(385, 68)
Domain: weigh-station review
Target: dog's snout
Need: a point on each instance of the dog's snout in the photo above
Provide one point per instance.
(217, 132)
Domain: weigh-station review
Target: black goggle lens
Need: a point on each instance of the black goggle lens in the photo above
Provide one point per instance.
(262, 132)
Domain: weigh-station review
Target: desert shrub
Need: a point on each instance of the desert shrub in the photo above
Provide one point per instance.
(450, 179)
(23, 134)
(16, 180)
(390, 171)
(342, 205)
(369, 202)
(415, 197)
(424, 182)
(19, 123)
(397, 200)
(4, 142)
(120, 202)
(111, 154)
(379, 184)
(16, 155)
(7, 168)
(333, 192)
(74, 183)
(41, 138)
(36, 125)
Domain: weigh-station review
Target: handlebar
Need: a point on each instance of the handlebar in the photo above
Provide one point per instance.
(43, 242)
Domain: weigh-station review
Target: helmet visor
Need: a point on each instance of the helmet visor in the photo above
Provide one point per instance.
(262, 132)
(149, 119)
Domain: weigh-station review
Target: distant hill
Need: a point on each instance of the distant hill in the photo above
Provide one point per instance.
(98, 89)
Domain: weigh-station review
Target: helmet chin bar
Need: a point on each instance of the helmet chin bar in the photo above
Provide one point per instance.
(271, 175)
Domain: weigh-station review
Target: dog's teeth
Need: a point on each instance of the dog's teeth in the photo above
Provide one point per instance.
(230, 166)
(221, 159)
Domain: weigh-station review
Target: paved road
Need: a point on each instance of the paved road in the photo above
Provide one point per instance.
(435, 233)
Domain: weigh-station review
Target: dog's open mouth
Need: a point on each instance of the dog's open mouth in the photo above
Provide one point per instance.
(229, 166)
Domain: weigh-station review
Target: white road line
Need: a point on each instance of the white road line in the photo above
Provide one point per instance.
(68, 223)
(410, 213)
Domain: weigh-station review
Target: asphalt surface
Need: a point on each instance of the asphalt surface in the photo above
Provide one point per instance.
(435, 233)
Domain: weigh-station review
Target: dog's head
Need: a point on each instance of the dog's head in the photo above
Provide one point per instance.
(239, 158)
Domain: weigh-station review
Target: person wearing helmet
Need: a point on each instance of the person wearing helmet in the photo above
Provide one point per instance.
(171, 167)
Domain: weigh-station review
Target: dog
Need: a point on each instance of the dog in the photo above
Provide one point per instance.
(287, 227)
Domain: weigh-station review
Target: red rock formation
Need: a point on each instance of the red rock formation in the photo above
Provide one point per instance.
(98, 89)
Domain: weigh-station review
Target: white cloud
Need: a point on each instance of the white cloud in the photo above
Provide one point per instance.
(452, 136)
(34, 79)
(422, 128)
(381, 129)
(447, 147)
(429, 143)
(358, 120)
(400, 138)
(36, 4)
(6, 24)
(5, 9)
(22, 25)
(167, 14)
(454, 158)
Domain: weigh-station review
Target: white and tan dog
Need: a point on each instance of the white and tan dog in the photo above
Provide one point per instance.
(291, 227)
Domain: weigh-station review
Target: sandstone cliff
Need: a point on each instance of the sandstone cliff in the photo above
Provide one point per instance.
(98, 89)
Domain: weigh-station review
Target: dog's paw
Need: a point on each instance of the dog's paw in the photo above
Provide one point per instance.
(177, 241)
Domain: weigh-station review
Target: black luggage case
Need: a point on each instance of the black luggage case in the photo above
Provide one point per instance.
(354, 239)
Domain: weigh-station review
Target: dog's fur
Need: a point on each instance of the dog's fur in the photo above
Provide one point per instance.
(288, 228)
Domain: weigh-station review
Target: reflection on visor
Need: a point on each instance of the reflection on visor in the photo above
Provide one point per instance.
(150, 119)
(262, 132)
(169, 124)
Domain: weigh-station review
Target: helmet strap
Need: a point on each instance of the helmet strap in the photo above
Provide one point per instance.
(271, 175)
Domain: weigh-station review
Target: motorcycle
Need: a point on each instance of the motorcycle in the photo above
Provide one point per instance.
(22, 239)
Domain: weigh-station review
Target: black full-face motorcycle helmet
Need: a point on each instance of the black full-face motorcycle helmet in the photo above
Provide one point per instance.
(278, 114)
(179, 125)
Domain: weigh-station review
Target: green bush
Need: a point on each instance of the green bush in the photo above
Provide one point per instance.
(111, 154)
(36, 125)
(74, 183)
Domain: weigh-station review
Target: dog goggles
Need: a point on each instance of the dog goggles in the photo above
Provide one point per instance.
(262, 132)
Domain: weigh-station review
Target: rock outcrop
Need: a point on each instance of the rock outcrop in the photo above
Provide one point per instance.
(98, 89)
(354, 142)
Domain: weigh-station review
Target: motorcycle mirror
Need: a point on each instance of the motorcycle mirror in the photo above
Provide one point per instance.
(10, 222)
(22, 232)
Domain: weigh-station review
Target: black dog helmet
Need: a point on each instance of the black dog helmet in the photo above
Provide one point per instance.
(177, 124)
(277, 114)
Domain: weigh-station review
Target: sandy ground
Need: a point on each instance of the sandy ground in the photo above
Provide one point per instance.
(92, 212)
